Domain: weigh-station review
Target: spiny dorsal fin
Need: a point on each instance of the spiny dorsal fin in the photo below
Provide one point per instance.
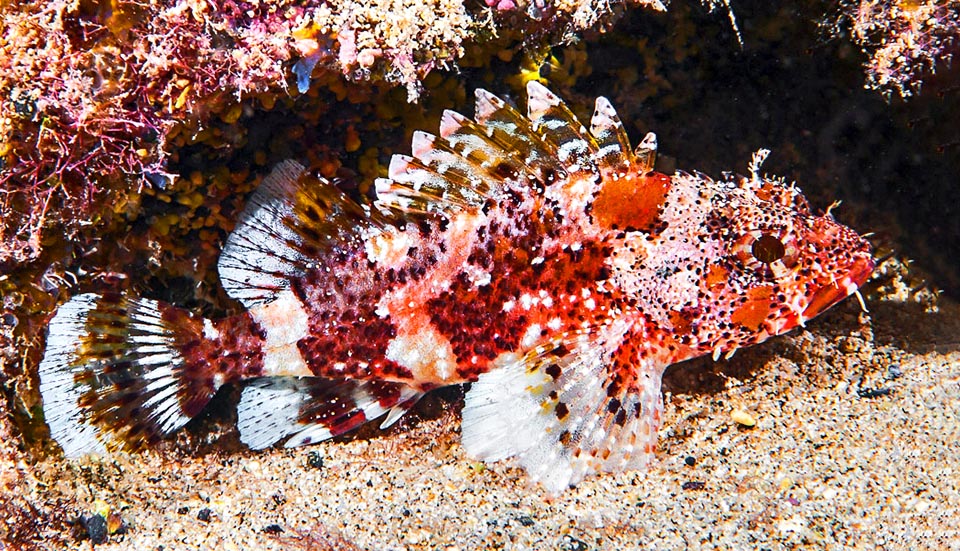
(613, 146)
(562, 414)
(513, 132)
(306, 410)
(553, 120)
(291, 219)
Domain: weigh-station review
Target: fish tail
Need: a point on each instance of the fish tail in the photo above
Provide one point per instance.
(123, 372)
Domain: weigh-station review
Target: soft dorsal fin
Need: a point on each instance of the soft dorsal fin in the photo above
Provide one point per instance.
(563, 413)
(290, 220)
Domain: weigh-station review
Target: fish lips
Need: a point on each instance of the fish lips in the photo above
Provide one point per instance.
(829, 295)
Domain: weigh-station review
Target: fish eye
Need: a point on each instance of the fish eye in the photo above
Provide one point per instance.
(768, 249)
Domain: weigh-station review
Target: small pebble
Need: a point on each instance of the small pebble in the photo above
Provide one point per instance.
(872, 392)
(693, 485)
(690, 460)
(571, 543)
(96, 527)
(273, 529)
(743, 418)
(314, 460)
(204, 514)
(525, 520)
(115, 523)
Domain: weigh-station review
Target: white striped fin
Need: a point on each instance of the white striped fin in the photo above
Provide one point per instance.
(613, 145)
(291, 220)
(554, 121)
(262, 253)
(61, 394)
(111, 374)
(513, 132)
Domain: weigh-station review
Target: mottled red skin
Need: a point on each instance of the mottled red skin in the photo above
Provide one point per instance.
(345, 329)
(235, 354)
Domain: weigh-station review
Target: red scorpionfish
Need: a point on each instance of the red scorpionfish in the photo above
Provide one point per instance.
(543, 262)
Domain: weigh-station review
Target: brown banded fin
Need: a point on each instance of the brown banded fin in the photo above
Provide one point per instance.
(289, 222)
(115, 375)
(561, 411)
(480, 144)
(514, 133)
(646, 154)
(307, 410)
(415, 188)
(613, 146)
(556, 124)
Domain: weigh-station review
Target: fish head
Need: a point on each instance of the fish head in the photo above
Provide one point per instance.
(729, 263)
(777, 264)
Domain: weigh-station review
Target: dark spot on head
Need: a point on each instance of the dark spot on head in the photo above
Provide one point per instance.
(561, 411)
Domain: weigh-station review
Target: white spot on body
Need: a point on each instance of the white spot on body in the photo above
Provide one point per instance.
(389, 249)
(477, 276)
(209, 331)
(284, 321)
(425, 352)
(531, 336)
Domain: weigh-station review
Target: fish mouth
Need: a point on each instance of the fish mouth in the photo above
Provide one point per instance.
(831, 294)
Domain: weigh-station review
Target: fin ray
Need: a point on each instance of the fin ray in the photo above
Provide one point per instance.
(613, 146)
(289, 222)
(553, 120)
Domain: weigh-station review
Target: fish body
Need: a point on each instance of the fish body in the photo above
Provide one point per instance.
(546, 263)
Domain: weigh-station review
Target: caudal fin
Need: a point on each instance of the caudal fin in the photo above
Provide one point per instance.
(118, 372)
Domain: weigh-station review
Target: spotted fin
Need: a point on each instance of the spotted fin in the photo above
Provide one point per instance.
(562, 414)
(289, 222)
(305, 410)
(114, 375)
(513, 132)
(470, 162)
(460, 169)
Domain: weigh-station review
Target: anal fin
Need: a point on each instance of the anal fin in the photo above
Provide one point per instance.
(306, 410)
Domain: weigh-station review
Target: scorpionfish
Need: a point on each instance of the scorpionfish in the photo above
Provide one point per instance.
(545, 263)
